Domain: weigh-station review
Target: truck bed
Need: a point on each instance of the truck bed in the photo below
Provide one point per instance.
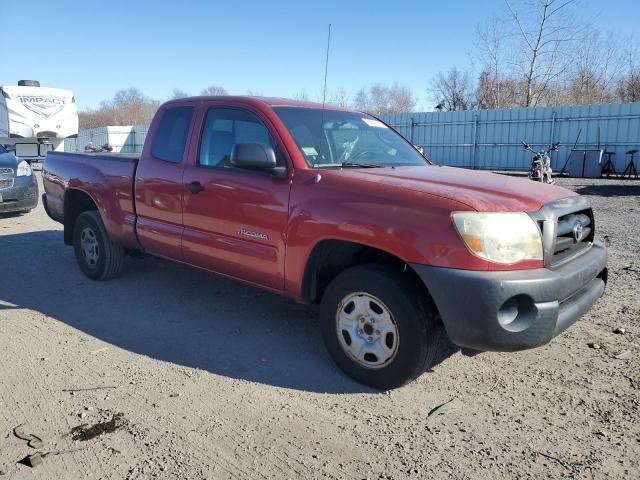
(107, 179)
(120, 157)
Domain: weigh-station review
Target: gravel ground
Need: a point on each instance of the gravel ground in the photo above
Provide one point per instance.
(168, 372)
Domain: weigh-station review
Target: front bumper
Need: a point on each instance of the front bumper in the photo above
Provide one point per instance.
(21, 197)
(515, 310)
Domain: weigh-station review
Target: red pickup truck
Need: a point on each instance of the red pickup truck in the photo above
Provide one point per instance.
(335, 208)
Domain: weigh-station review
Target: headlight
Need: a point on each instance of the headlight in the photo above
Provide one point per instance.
(24, 169)
(500, 237)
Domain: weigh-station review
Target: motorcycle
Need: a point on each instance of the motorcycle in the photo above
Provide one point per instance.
(91, 148)
(540, 170)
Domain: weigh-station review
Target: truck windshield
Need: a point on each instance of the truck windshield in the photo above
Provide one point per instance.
(2, 149)
(346, 139)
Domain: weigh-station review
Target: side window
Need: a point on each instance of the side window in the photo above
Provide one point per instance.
(171, 136)
(225, 127)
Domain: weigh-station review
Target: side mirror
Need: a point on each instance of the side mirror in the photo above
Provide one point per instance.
(256, 156)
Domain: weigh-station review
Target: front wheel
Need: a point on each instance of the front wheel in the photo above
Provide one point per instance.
(98, 257)
(379, 326)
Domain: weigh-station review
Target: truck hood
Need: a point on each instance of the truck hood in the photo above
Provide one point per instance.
(481, 191)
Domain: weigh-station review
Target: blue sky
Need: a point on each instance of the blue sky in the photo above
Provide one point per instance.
(272, 47)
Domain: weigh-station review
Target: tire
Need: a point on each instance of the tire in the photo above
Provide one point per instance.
(28, 83)
(411, 310)
(98, 257)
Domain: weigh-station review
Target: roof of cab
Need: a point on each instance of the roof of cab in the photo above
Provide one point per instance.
(269, 101)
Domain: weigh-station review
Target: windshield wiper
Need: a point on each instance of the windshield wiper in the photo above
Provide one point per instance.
(360, 165)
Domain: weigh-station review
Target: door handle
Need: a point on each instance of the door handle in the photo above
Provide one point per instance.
(194, 187)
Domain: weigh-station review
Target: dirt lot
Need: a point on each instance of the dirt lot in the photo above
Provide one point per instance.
(168, 372)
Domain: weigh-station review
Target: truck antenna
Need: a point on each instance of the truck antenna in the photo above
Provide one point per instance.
(318, 177)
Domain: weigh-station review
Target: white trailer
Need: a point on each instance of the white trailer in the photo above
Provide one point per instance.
(35, 119)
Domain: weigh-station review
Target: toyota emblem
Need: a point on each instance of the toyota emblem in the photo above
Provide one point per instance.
(577, 232)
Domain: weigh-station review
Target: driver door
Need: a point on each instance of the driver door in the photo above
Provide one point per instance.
(235, 219)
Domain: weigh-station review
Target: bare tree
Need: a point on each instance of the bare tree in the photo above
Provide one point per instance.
(628, 88)
(596, 64)
(487, 94)
(490, 52)
(128, 107)
(453, 90)
(126, 96)
(301, 95)
(131, 107)
(382, 99)
(543, 32)
(339, 98)
(492, 92)
(213, 90)
(497, 86)
(95, 118)
(178, 93)
(539, 52)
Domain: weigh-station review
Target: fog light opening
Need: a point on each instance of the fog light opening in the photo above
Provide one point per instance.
(604, 275)
(517, 313)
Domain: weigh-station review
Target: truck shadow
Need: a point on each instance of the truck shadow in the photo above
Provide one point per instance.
(609, 190)
(175, 314)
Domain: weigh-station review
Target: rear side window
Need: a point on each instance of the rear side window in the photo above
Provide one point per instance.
(171, 136)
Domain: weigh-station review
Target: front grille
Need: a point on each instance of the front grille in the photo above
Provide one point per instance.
(557, 221)
(574, 234)
(6, 177)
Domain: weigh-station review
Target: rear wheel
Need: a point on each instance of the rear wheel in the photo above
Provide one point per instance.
(98, 257)
(379, 326)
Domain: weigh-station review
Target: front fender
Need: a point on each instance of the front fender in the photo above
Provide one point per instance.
(413, 227)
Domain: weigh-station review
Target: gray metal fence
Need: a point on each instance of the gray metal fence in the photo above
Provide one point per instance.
(490, 139)
(123, 139)
(483, 139)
